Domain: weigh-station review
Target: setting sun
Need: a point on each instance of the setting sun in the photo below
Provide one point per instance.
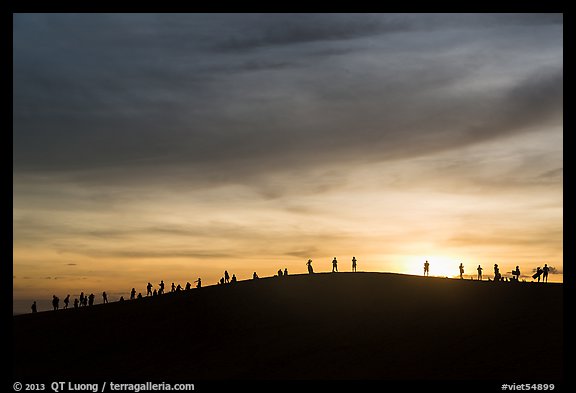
(440, 266)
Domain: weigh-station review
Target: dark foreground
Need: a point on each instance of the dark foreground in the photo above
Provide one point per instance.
(323, 326)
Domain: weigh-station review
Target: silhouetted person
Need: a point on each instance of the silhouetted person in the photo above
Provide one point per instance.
(33, 307)
(538, 273)
(279, 272)
(497, 275)
(233, 278)
(91, 299)
(188, 285)
(178, 288)
(479, 268)
(149, 289)
(285, 271)
(81, 298)
(254, 276)
(199, 283)
(545, 271)
(85, 301)
(132, 294)
(121, 299)
(221, 281)
(334, 265)
(353, 264)
(66, 301)
(226, 276)
(154, 292)
(161, 285)
(516, 273)
(104, 297)
(461, 267)
(55, 302)
(76, 302)
(426, 268)
(309, 264)
(173, 287)
(139, 295)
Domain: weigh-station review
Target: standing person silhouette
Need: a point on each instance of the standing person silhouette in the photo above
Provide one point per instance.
(161, 285)
(285, 271)
(149, 289)
(516, 273)
(426, 268)
(310, 268)
(55, 302)
(496, 272)
(538, 273)
(66, 301)
(279, 272)
(226, 276)
(353, 264)
(188, 285)
(254, 276)
(132, 294)
(91, 299)
(33, 307)
(81, 298)
(104, 297)
(199, 283)
(479, 273)
(233, 280)
(173, 287)
(545, 271)
(75, 302)
(461, 267)
(334, 265)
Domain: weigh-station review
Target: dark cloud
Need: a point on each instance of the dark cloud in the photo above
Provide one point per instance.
(552, 174)
(553, 270)
(303, 253)
(196, 99)
(287, 29)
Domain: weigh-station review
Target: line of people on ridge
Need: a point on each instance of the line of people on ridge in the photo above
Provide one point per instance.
(88, 300)
(497, 275)
(85, 300)
(334, 265)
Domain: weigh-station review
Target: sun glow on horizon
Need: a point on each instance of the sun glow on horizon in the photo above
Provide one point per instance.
(246, 160)
(440, 265)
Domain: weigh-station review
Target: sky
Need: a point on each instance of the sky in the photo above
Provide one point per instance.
(152, 147)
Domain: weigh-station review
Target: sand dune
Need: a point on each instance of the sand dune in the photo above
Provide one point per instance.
(321, 326)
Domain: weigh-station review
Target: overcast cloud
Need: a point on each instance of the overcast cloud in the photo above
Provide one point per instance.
(226, 96)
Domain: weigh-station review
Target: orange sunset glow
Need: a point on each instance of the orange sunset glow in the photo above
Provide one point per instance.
(176, 146)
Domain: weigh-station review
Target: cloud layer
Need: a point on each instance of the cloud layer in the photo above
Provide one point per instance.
(168, 144)
(226, 96)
